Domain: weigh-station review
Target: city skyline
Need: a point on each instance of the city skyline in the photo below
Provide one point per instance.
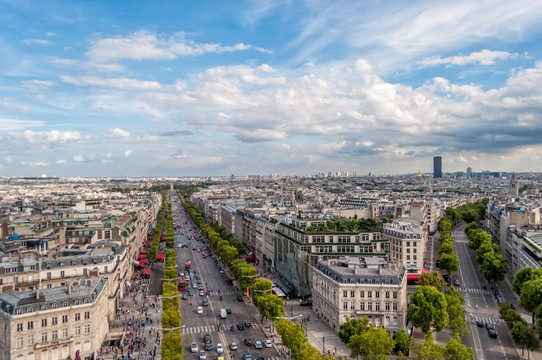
(211, 89)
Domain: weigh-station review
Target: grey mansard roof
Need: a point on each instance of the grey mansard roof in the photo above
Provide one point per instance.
(20, 302)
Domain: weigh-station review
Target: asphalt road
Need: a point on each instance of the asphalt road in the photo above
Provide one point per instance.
(195, 325)
(481, 305)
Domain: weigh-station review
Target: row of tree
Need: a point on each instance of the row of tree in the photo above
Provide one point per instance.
(172, 343)
(488, 256)
(153, 249)
(518, 327)
(528, 284)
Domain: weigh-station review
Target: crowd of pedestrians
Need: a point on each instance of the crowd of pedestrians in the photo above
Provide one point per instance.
(137, 324)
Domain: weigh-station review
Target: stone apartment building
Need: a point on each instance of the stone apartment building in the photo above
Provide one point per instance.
(407, 243)
(54, 323)
(354, 287)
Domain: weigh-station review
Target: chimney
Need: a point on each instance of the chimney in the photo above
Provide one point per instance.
(37, 293)
(69, 288)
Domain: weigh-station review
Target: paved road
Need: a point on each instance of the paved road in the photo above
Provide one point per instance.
(480, 305)
(194, 325)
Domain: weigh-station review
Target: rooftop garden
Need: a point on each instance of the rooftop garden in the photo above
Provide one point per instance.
(346, 225)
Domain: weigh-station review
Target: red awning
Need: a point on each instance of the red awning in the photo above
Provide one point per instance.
(142, 262)
(147, 272)
(417, 276)
(141, 256)
(159, 256)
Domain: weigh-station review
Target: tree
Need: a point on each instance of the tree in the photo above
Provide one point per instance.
(270, 306)
(293, 335)
(522, 336)
(308, 352)
(524, 275)
(531, 295)
(493, 267)
(261, 287)
(449, 262)
(485, 247)
(228, 254)
(452, 214)
(455, 350)
(427, 309)
(353, 327)
(403, 343)
(447, 247)
(428, 350)
(373, 344)
(433, 279)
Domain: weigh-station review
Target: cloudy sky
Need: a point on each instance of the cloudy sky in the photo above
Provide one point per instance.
(184, 88)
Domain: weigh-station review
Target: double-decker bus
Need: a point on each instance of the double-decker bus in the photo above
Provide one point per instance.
(187, 265)
(182, 283)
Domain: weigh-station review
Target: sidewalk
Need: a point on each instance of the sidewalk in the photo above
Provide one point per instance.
(139, 320)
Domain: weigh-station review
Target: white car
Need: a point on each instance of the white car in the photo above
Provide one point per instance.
(267, 343)
(219, 349)
(200, 310)
(194, 347)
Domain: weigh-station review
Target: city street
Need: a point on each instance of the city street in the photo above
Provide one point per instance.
(480, 305)
(195, 325)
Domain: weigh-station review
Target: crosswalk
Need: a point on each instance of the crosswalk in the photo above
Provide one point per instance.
(486, 319)
(231, 292)
(208, 328)
(474, 291)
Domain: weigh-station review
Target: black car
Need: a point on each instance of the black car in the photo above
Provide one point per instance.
(490, 326)
(492, 333)
(248, 342)
(208, 346)
(240, 326)
(228, 311)
(239, 297)
(205, 302)
(206, 337)
(479, 323)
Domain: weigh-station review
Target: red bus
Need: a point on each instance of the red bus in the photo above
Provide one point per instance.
(182, 283)
(187, 265)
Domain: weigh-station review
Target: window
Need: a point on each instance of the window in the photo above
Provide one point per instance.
(43, 322)
(87, 329)
(78, 330)
(377, 306)
(20, 342)
(387, 306)
(414, 257)
(87, 314)
(30, 325)
(362, 306)
(77, 316)
(345, 293)
(395, 320)
(352, 305)
(370, 306)
(65, 333)
(377, 294)
(387, 322)
(54, 335)
(369, 294)
(30, 339)
(20, 327)
(345, 305)
(43, 338)
(395, 294)
(394, 306)
(387, 294)
(64, 319)
(62, 274)
(362, 293)
(352, 293)
(408, 257)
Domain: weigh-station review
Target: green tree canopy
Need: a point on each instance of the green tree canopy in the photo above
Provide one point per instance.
(373, 344)
(293, 335)
(427, 309)
(403, 343)
(353, 327)
(449, 262)
(455, 350)
(428, 350)
(270, 306)
(433, 279)
(493, 267)
(524, 275)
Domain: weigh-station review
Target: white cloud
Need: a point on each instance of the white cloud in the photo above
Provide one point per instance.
(37, 42)
(16, 124)
(60, 161)
(49, 137)
(144, 45)
(112, 83)
(79, 158)
(8, 160)
(484, 57)
(127, 153)
(34, 164)
(117, 132)
(38, 84)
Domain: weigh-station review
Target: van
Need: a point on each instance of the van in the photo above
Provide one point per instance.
(223, 313)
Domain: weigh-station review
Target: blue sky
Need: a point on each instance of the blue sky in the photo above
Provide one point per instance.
(188, 88)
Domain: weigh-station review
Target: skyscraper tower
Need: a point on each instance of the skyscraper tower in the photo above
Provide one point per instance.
(437, 167)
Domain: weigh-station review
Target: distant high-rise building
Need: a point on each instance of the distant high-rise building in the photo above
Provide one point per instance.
(437, 167)
(469, 171)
